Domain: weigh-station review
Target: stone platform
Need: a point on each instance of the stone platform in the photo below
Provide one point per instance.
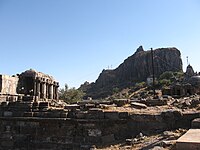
(189, 141)
(196, 123)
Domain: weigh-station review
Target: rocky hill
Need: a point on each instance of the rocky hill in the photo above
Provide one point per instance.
(136, 68)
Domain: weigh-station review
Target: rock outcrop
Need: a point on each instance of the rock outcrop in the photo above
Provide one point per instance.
(136, 68)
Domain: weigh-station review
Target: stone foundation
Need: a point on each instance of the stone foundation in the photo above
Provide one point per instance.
(36, 133)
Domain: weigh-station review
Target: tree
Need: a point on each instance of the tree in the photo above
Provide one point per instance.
(169, 77)
(70, 95)
(166, 75)
(165, 82)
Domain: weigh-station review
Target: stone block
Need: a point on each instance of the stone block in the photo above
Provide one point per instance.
(44, 114)
(113, 115)
(189, 141)
(95, 113)
(33, 124)
(91, 116)
(1, 113)
(121, 102)
(22, 106)
(55, 114)
(43, 105)
(28, 114)
(7, 144)
(18, 113)
(95, 110)
(36, 114)
(35, 105)
(156, 102)
(196, 123)
(87, 147)
(138, 105)
(63, 115)
(93, 139)
(28, 98)
(81, 115)
(7, 114)
(123, 115)
(4, 104)
(72, 106)
(94, 132)
(88, 106)
(78, 139)
(108, 139)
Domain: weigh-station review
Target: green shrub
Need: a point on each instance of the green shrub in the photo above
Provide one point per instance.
(70, 95)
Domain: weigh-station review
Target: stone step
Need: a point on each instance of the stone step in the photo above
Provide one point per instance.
(189, 141)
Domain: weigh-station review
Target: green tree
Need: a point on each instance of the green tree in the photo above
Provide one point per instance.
(166, 75)
(140, 84)
(165, 82)
(70, 95)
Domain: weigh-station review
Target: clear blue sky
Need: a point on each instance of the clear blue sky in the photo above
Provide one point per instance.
(74, 40)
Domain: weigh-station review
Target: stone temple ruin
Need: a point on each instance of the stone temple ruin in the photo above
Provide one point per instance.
(190, 85)
(29, 85)
(29, 94)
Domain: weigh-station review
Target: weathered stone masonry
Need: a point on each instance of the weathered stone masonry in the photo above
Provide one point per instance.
(39, 85)
(30, 85)
(29, 133)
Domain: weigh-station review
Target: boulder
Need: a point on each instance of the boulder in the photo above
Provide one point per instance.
(138, 105)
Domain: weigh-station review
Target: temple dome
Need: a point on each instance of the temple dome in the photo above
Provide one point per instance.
(30, 72)
(33, 73)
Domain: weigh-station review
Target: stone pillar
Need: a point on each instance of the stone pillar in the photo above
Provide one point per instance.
(56, 92)
(38, 89)
(47, 90)
(51, 91)
(34, 88)
(43, 94)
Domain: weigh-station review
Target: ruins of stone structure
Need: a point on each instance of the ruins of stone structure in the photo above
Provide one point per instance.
(28, 120)
(8, 87)
(179, 89)
(189, 86)
(29, 85)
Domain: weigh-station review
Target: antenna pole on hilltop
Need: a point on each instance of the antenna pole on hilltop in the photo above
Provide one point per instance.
(187, 60)
(154, 92)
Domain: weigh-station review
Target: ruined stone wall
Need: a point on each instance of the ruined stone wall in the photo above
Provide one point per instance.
(65, 133)
(8, 84)
(57, 134)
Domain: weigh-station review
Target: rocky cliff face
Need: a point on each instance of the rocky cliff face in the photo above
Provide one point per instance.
(136, 68)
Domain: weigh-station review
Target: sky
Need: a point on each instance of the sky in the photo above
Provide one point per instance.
(74, 40)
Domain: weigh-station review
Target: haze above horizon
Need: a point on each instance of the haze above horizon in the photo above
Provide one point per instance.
(74, 40)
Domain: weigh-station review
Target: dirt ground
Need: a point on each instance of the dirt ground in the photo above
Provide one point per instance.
(162, 141)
